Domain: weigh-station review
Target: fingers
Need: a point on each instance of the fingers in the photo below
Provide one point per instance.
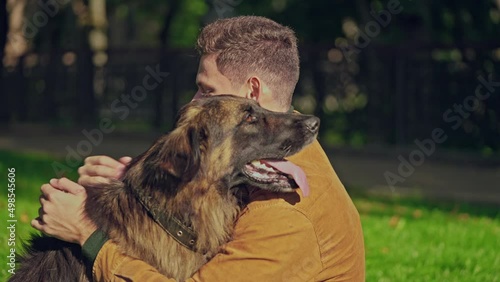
(93, 181)
(67, 185)
(47, 191)
(37, 223)
(105, 161)
(62, 212)
(125, 160)
(40, 212)
(99, 170)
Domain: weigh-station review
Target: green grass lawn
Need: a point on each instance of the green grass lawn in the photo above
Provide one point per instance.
(418, 241)
(32, 170)
(405, 239)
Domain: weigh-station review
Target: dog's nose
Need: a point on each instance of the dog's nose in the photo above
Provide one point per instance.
(312, 124)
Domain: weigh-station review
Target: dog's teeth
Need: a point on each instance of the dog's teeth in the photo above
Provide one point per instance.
(257, 164)
(259, 175)
(264, 168)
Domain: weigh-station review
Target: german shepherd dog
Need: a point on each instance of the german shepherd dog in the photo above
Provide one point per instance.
(177, 202)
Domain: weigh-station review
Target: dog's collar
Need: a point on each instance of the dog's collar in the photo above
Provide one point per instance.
(172, 225)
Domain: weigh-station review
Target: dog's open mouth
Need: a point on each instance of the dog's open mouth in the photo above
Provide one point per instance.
(279, 172)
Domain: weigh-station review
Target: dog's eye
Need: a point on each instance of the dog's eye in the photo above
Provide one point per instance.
(203, 135)
(249, 118)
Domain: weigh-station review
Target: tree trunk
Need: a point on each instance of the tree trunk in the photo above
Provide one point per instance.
(319, 82)
(370, 62)
(49, 43)
(166, 64)
(86, 103)
(17, 40)
(4, 28)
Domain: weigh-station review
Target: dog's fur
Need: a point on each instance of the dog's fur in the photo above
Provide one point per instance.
(195, 173)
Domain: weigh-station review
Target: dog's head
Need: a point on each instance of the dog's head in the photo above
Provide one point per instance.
(233, 141)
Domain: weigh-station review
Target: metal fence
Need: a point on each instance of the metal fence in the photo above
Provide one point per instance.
(387, 95)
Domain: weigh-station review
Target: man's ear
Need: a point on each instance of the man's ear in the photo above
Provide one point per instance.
(254, 88)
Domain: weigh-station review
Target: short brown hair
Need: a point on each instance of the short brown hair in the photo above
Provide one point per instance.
(248, 44)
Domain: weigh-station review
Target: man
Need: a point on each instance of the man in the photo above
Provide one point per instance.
(277, 237)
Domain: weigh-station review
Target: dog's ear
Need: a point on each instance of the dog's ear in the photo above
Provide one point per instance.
(182, 152)
(177, 154)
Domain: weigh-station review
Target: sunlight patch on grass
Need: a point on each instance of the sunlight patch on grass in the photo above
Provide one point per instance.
(424, 243)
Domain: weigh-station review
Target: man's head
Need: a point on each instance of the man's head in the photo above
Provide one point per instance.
(251, 57)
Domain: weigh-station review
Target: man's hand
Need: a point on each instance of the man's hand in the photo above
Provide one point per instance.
(62, 214)
(98, 170)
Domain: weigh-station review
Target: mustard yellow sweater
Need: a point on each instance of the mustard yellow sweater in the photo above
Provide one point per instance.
(278, 237)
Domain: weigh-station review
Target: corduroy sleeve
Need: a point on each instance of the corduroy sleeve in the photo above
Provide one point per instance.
(279, 246)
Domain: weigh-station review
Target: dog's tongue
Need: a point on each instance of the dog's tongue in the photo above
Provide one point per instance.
(289, 168)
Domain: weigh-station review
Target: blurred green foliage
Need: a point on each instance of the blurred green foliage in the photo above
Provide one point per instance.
(422, 61)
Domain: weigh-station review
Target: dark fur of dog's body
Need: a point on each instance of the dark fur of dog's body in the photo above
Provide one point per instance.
(195, 173)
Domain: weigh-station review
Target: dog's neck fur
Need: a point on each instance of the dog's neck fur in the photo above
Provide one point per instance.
(207, 211)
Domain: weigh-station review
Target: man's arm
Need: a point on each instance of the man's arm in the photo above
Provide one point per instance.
(272, 242)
